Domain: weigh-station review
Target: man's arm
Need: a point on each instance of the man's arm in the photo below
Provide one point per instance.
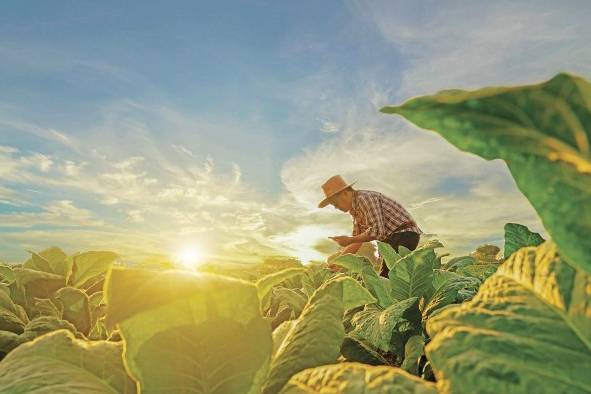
(344, 240)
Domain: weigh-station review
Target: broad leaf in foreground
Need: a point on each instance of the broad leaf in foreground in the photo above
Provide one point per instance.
(517, 236)
(542, 132)
(59, 363)
(188, 332)
(354, 378)
(528, 330)
(316, 336)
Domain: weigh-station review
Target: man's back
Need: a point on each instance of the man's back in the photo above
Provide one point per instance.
(383, 214)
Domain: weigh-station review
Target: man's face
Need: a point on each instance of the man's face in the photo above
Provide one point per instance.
(339, 202)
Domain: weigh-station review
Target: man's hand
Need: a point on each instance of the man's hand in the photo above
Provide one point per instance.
(342, 240)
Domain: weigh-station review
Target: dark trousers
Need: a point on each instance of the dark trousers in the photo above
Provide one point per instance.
(408, 239)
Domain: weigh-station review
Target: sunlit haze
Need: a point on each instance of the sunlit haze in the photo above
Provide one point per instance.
(188, 257)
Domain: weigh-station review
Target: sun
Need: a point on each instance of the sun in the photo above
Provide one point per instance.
(189, 257)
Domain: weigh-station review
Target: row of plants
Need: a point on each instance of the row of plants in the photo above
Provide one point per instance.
(470, 324)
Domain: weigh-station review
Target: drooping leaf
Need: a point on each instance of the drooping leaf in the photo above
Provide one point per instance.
(9, 321)
(98, 308)
(413, 351)
(45, 324)
(59, 363)
(279, 334)
(7, 276)
(316, 275)
(266, 283)
(458, 262)
(316, 336)
(291, 298)
(377, 286)
(388, 329)
(542, 132)
(447, 286)
(518, 236)
(74, 305)
(46, 307)
(354, 378)
(479, 271)
(188, 332)
(355, 350)
(87, 265)
(38, 284)
(8, 341)
(528, 330)
(388, 253)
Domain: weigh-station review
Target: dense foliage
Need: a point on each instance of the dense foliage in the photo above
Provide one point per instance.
(519, 322)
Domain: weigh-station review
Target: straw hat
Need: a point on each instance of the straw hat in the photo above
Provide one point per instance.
(332, 187)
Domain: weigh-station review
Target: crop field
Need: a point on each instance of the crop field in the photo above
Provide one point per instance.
(516, 320)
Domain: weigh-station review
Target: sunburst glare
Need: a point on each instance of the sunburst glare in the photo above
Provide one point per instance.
(189, 257)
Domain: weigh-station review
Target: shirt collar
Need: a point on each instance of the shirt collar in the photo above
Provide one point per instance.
(354, 203)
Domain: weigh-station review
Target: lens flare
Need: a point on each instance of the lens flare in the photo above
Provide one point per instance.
(189, 258)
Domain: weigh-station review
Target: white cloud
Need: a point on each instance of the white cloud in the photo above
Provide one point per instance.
(43, 132)
(57, 213)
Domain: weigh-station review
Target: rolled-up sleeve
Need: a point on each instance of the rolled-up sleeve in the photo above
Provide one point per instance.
(372, 210)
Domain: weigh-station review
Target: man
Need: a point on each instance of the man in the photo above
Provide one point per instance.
(375, 217)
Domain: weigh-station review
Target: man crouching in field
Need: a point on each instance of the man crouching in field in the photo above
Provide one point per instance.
(375, 217)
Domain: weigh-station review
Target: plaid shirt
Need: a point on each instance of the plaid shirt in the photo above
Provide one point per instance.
(380, 214)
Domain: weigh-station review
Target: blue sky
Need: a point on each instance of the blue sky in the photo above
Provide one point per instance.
(144, 126)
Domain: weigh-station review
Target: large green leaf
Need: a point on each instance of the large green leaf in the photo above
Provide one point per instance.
(45, 324)
(388, 329)
(7, 276)
(10, 317)
(38, 284)
(447, 286)
(52, 260)
(87, 265)
(528, 330)
(316, 275)
(388, 254)
(59, 363)
(541, 131)
(316, 336)
(411, 276)
(379, 287)
(266, 283)
(518, 236)
(188, 332)
(479, 271)
(291, 298)
(46, 307)
(354, 378)
(458, 262)
(75, 308)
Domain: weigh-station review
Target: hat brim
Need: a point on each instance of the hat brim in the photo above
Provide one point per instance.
(327, 200)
